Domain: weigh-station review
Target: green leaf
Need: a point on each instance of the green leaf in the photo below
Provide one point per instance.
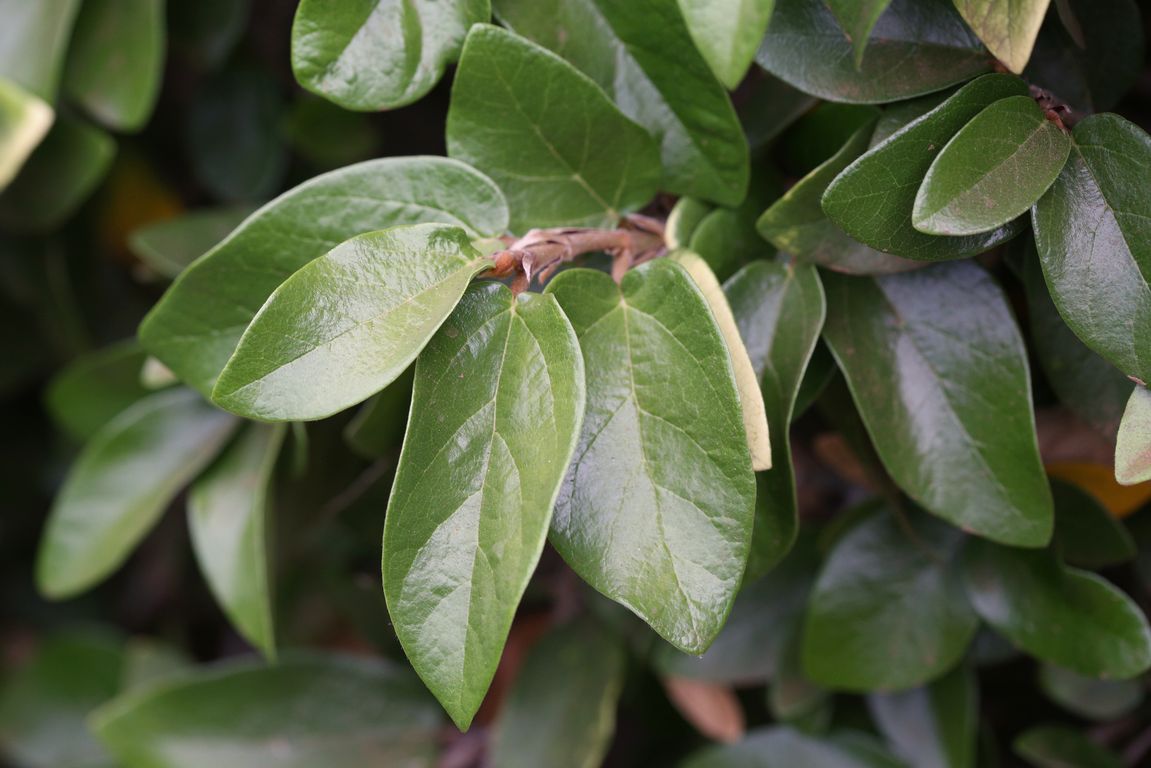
(378, 427)
(656, 511)
(772, 107)
(1093, 229)
(726, 238)
(330, 711)
(888, 609)
(821, 133)
(1062, 615)
(196, 325)
(797, 225)
(858, 18)
(684, 219)
(939, 373)
(727, 33)
(933, 726)
(168, 246)
(1090, 697)
(777, 747)
(93, 389)
(118, 90)
(1056, 746)
(873, 198)
(24, 122)
(806, 48)
(371, 54)
(348, 323)
(560, 712)
(327, 136)
(1133, 444)
(60, 174)
(121, 484)
(541, 158)
(496, 411)
(1007, 27)
(992, 171)
(641, 53)
(208, 31)
(227, 519)
(1086, 534)
(33, 41)
(792, 697)
(767, 298)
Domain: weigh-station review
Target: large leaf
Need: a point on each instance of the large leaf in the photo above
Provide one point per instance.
(779, 309)
(24, 121)
(805, 47)
(888, 610)
(1062, 615)
(373, 54)
(504, 120)
(1133, 443)
(168, 246)
(227, 519)
(496, 411)
(93, 389)
(121, 484)
(118, 90)
(858, 18)
(1007, 27)
(992, 171)
(33, 40)
(641, 53)
(335, 712)
(778, 747)
(656, 510)
(348, 323)
(1093, 229)
(873, 198)
(933, 726)
(727, 33)
(560, 712)
(195, 327)
(939, 373)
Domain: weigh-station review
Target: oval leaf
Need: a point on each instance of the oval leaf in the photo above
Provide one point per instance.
(858, 18)
(656, 510)
(93, 389)
(939, 373)
(24, 122)
(348, 323)
(1007, 27)
(196, 325)
(33, 40)
(727, 33)
(168, 246)
(1133, 444)
(121, 484)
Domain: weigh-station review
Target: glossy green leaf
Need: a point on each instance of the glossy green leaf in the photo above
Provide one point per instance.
(24, 122)
(888, 610)
(873, 198)
(58, 177)
(777, 747)
(1093, 229)
(1133, 444)
(1007, 27)
(858, 18)
(121, 484)
(195, 327)
(542, 158)
(348, 323)
(301, 713)
(496, 410)
(1055, 746)
(684, 219)
(168, 246)
(641, 53)
(939, 373)
(726, 238)
(118, 90)
(933, 726)
(805, 47)
(1062, 615)
(560, 712)
(94, 388)
(33, 41)
(992, 171)
(656, 511)
(227, 519)
(779, 309)
(1086, 534)
(371, 55)
(1090, 697)
(727, 33)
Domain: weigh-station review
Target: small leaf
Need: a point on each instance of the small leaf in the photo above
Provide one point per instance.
(939, 373)
(873, 198)
(121, 484)
(170, 245)
(541, 158)
(496, 410)
(330, 711)
(1093, 230)
(992, 171)
(227, 518)
(1086, 534)
(684, 219)
(33, 41)
(1056, 746)
(196, 325)
(93, 389)
(933, 726)
(858, 18)
(24, 122)
(1007, 27)
(1090, 697)
(888, 610)
(348, 323)
(656, 511)
(560, 712)
(119, 91)
(805, 47)
(1133, 444)
(1062, 615)
(727, 33)
(371, 55)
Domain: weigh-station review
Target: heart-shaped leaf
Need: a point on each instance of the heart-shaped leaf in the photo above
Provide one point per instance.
(727, 33)
(1007, 27)
(1133, 444)
(24, 121)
